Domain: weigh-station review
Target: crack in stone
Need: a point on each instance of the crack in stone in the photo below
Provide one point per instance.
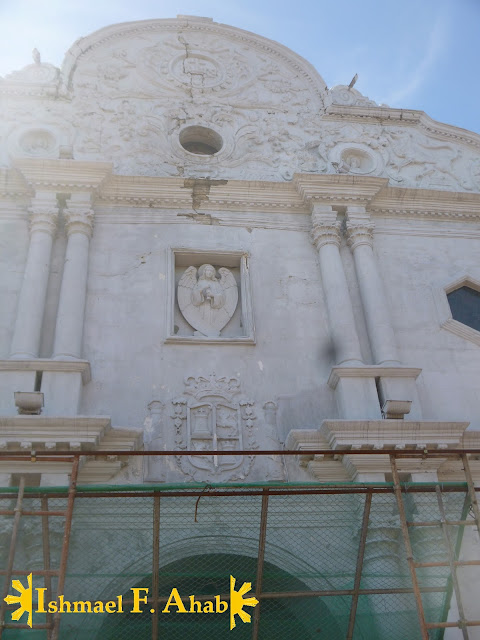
(201, 189)
(182, 40)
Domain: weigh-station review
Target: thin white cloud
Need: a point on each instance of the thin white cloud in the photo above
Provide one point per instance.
(435, 46)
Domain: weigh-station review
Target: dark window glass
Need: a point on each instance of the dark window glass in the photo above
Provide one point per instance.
(465, 306)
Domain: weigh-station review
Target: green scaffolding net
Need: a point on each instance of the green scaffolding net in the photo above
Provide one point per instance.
(301, 559)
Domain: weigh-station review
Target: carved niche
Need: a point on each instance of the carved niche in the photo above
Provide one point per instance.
(209, 297)
(213, 415)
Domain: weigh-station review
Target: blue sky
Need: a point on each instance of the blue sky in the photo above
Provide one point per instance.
(417, 54)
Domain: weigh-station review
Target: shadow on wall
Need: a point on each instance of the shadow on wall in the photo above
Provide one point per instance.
(305, 410)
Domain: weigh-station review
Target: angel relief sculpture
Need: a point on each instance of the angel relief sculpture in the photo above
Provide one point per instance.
(207, 302)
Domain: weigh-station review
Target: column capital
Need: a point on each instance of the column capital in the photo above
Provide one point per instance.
(79, 215)
(325, 226)
(359, 233)
(43, 213)
(78, 220)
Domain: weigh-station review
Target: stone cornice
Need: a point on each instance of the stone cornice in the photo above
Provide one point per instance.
(13, 184)
(80, 433)
(62, 176)
(398, 201)
(337, 190)
(408, 117)
(345, 434)
(201, 194)
(58, 366)
(371, 371)
(87, 431)
(236, 201)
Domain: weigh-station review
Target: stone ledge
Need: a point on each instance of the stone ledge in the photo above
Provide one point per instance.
(207, 340)
(343, 436)
(80, 434)
(62, 175)
(371, 371)
(46, 364)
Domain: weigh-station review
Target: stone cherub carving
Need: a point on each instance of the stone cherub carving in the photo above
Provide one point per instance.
(207, 303)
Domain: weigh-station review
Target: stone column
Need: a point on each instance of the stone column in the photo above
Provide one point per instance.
(326, 238)
(31, 304)
(401, 390)
(379, 325)
(71, 307)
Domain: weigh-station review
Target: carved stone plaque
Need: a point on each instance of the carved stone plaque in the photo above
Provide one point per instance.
(207, 302)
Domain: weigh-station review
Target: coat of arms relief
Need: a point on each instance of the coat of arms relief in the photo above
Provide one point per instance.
(213, 415)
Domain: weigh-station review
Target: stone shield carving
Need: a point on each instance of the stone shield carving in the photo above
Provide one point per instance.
(207, 302)
(211, 418)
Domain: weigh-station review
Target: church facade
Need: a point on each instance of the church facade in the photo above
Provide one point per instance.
(205, 249)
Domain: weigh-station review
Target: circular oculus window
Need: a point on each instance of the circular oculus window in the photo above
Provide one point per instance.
(201, 141)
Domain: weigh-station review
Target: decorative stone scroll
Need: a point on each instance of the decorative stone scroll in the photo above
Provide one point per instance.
(207, 302)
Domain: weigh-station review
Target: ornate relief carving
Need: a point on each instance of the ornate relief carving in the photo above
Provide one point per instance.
(37, 142)
(358, 234)
(131, 93)
(259, 108)
(207, 302)
(475, 172)
(341, 94)
(78, 219)
(415, 159)
(44, 214)
(325, 232)
(38, 73)
(212, 417)
(354, 158)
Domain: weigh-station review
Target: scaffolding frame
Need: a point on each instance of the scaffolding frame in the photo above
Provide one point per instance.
(52, 625)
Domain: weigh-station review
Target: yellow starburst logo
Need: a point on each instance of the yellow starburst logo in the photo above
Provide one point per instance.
(24, 599)
(237, 602)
